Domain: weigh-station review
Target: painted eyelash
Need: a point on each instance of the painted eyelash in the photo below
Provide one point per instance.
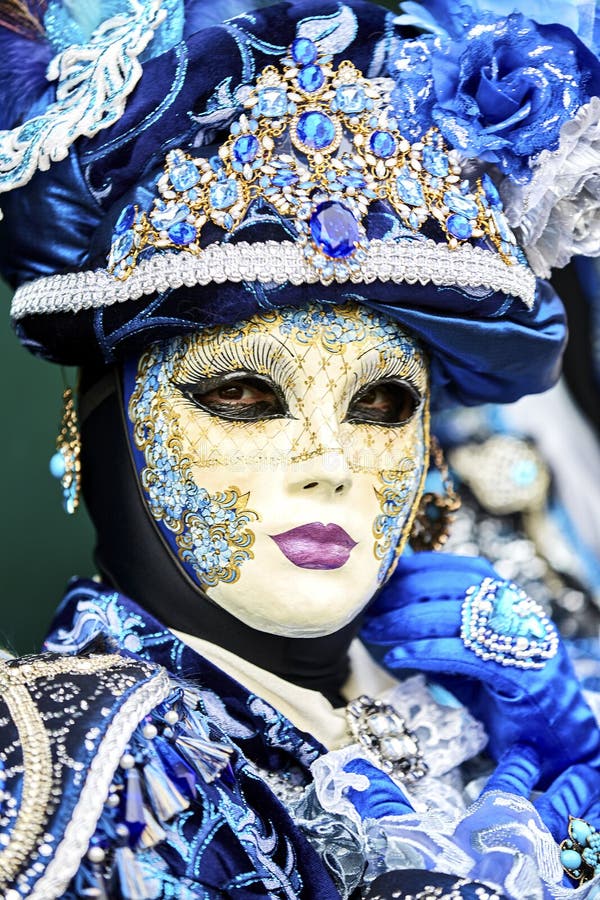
(235, 356)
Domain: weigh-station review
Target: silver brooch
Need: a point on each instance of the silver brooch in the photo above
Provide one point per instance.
(384, 734)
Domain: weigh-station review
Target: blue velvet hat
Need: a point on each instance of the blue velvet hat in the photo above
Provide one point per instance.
(160, 175)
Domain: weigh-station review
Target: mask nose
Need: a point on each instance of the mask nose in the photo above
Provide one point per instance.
(324, 475)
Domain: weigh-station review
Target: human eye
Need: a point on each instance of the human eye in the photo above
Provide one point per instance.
(387, 402)
(237, 396)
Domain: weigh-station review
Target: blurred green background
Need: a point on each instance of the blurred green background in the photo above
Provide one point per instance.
(42, 547)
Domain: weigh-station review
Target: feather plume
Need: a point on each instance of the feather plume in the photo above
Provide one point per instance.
(24, 17)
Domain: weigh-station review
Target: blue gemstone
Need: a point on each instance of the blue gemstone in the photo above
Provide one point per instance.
(224, 194)
(491, 192)
(352, 180)
(272, 102)
(409, 189)
(165, 215)
(461, 204)
(502, 226)
(125, 220)
(245, 149)
(524, 472)
(182, 233)
(311, 79)
(184, 175)
(334, 229)
(570, 859)
(283, 179)
(579, 830)
(315, 130)
(304, 51)
(350, 99)
(57, 465)
(382, 144)
(435, 162)
(121, 247)
(459, 227)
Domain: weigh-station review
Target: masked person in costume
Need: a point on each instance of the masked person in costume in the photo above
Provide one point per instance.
(272, 245)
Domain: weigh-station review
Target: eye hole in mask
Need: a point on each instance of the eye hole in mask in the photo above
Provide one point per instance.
(247, 397)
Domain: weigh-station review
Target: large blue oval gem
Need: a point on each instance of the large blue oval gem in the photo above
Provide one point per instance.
(304, 51)
(382, 144)
(182, 233)
(245, 149)
(491, 192)
(459, 226)
(311, 79)
(315, 130)
(224, 194)
(334, 229)
(466, 206)
(435, 162)
(408, 188)
(350, 99)
(125, 220)
(184, 175)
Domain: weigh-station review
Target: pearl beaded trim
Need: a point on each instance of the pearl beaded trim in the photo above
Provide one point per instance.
(405, 262)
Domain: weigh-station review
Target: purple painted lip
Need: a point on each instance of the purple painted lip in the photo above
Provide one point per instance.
(316, 546)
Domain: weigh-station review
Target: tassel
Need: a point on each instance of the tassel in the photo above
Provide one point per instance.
(182, 773)
(134, 804)
(165, 797)
(152, 834)
(131, 875)
(207, 757)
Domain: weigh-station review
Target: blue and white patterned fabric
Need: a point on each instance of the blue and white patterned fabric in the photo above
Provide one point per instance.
(211, 792)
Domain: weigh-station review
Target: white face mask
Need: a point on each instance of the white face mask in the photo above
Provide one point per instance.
(283, 459)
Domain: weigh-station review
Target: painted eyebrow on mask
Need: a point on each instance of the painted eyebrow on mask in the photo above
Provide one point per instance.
(257, 352)
(387, 360)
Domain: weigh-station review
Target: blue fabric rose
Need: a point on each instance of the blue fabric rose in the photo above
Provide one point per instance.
(503, 93)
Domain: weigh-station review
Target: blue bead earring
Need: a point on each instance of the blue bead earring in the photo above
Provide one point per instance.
(65, 463)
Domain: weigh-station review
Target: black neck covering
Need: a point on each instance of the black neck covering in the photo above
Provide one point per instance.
(133, 557)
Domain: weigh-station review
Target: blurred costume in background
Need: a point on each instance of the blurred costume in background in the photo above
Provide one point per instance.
(273, 246)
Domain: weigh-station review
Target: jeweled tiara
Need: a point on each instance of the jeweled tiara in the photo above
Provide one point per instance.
(321, 146)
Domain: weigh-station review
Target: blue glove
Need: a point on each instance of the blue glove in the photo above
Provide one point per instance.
(537, 720)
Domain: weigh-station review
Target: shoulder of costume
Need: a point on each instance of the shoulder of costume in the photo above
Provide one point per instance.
(79, 735)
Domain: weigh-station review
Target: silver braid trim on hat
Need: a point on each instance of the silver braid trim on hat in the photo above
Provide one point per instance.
(415, 262)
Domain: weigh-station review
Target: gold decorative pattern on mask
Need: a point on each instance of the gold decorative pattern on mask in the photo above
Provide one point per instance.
(211, 531)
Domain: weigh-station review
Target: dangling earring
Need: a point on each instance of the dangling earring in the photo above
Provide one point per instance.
(431, 527)
(65, 464)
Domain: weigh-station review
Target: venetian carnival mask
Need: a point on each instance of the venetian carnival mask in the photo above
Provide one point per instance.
(282, 459)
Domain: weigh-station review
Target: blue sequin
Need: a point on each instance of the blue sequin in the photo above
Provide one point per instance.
(334, 229)
(311, 79)
(409, 189)
(246, 148)
(350, 99)
(224, 194)
(125, 220)
(182, 233)
(382, 144)
(459, 226)
(315, 130)
(272, 102)
(184, 175)
(304, 51)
